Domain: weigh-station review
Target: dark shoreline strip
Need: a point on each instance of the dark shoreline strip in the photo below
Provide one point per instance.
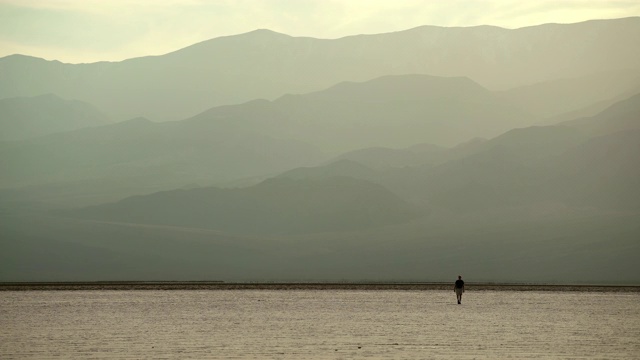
(206, 285)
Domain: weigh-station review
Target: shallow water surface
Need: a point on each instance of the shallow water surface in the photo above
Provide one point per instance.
(318, 324)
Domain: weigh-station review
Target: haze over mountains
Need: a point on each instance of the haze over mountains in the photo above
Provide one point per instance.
(587, 162)
(23, 118)
(511, 155)
(258, 138)
(271, 207)
(265, 65)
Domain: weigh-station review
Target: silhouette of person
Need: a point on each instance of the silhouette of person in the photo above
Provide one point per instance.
(458, 287)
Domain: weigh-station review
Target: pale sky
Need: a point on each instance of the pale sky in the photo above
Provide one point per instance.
(93, 30)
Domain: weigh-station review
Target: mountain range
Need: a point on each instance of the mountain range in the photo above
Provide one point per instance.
(274, 206)
(29, 117)
(586, 162)
(257, 138)
(553, 204)
(266, 65)
(509, 155)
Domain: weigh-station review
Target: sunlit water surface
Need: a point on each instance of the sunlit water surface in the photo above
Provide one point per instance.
(318, 324)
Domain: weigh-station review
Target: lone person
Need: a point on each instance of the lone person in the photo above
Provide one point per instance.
(459, 288)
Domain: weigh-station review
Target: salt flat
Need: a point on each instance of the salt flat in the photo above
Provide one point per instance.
(318, 324)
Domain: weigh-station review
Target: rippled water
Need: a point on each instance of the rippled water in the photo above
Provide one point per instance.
(318, 324)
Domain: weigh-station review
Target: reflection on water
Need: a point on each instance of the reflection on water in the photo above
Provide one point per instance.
(317, 324)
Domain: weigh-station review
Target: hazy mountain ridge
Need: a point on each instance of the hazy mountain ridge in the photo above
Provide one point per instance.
(264, 64)
(572, 165)
(623, 115)
(608, 168)
(586, 95)
(28, 117)
(139, 155)
(260, 138)
(419, 155)
(272, 207)
(522, 168)
(339, 168)
(387, 111)
(256, 139)
(331, 125)
(381, 158)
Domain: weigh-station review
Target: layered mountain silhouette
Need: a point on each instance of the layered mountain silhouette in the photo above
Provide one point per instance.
(586, 162)
(272, 207)
(622, 116)
(383, 158)
(388, 111)
(265, 64)
(28, 117)
(570, 98)
(139, 156)
(522, 168)
(508, 155)
(257, 138)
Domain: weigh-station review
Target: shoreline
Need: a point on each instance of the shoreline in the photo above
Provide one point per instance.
(284, 286)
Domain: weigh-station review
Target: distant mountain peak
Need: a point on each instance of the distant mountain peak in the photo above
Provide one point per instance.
(266, 64)
(262, 32)
(258, 37)
(19, 57)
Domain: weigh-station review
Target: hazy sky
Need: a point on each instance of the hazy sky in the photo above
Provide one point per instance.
(93, 30)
